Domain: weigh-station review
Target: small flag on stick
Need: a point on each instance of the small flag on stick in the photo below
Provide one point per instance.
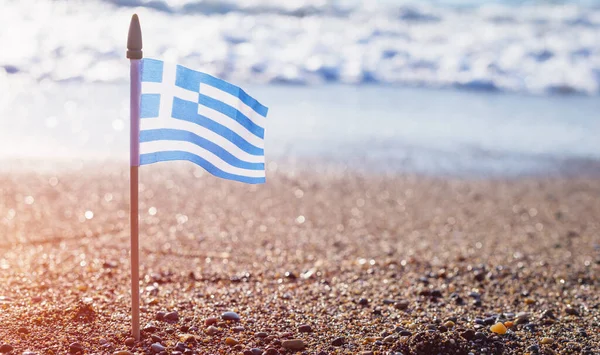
(182, 114)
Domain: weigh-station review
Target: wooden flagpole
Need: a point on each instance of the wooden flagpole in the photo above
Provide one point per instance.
(134, 53)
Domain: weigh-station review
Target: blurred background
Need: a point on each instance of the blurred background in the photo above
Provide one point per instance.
(460, 87)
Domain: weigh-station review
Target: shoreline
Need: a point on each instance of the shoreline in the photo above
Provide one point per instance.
(387, 263)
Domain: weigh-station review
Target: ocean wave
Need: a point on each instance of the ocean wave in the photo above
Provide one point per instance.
(541, 49)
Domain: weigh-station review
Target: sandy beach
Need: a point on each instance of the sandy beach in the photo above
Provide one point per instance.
(330, 262)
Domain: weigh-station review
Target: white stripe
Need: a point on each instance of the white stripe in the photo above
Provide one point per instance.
(169, 91)
(163, 146)
(234, 102)
(232, 124)
(151, 123)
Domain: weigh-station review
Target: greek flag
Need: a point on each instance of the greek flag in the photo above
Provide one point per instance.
(189, 115)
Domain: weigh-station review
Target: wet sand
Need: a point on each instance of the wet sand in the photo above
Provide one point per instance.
(344, 262)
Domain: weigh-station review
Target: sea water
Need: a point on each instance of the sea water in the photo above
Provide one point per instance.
(494, 87)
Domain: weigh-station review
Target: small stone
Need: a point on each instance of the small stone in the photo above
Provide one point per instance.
(5, 348)
(212, 330)
(230, 316)
(130, 342)
(468, 334)
(122, 352)
(160, 316)
(293, 344)
(290, 275)
(547, 340)
(29, 353)
(534, 348)
(305, 328)
(480, 335)
(366, 353)
(401, 305)
(363, 302)
(75, 348)
(271, 351)
(572, 311)
(231, 341)
(187, 338)
(338, 341)
(405, 333)
(157, 347)
(529, 301)
(498, 328)
(509, 324)
(238, 329)
(156, 338)
(23, 330)
(180, 346)
(449, 324)
(210, 321)
(261, 335)
(172, 316)
(149, 328)
(489, 321)
(256, 351)
(390, 339)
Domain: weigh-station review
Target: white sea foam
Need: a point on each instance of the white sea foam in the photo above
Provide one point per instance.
(534, 49)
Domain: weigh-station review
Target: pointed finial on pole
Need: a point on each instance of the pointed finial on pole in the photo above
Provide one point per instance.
(134, 39)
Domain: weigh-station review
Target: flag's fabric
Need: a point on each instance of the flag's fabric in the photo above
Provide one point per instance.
(189, 115)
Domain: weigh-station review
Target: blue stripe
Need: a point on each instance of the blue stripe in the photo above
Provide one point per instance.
(150, 158)
(152, 70)
(149, 105)
(188, 111)
(235, 91)
(185, 136)
(231, 112)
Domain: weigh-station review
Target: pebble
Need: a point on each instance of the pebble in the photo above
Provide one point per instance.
(150, 328)
(534, 348)
(180, 346)
(230, 316)
(363, 302)
(547, 340)
(389, 339)
(130, 342)
(210, 321)
(305, 328)
(272, 351)
(256, 351)
(401, 305)
(23, 330)
(157, 347)
(231, 341)
(498, 328)
(490, 320)
(449, 324)
(122, 352)
(338, 341)
(293, 344)
(29, 353)
(238, 329)
(172, 316)
(261, 335)
(75, 348)
(572, 311)
(5, 348)
(212, 330)
(160, 316)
